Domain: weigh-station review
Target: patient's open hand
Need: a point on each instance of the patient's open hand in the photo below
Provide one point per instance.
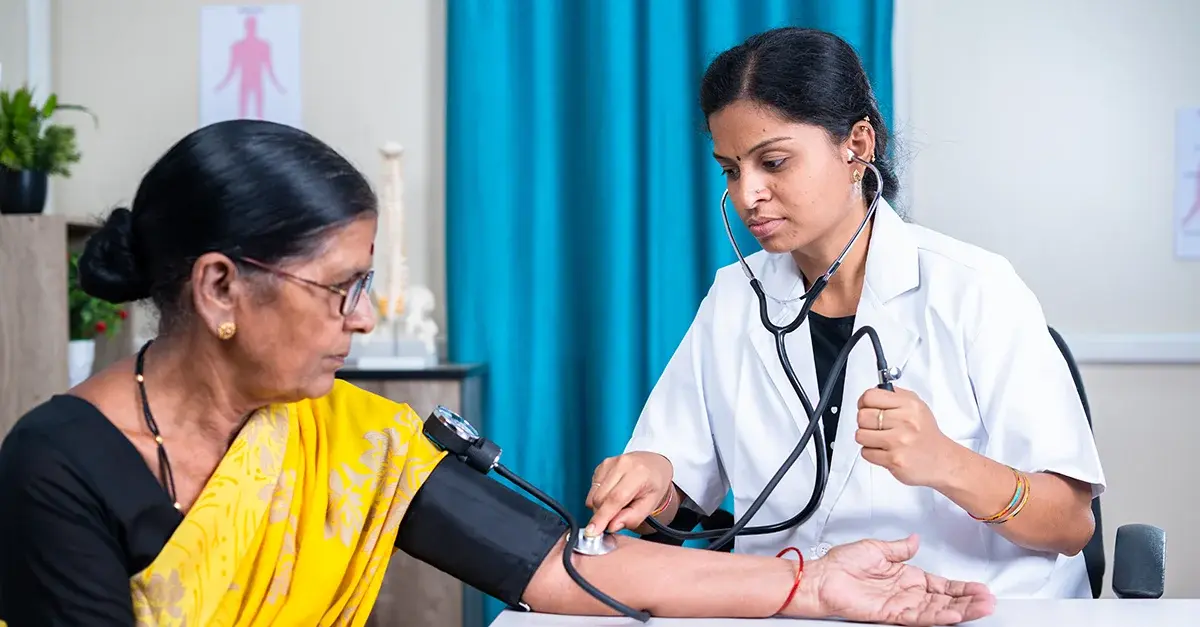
(868, 581)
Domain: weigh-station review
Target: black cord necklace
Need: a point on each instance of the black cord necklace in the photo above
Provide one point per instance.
(164, 465)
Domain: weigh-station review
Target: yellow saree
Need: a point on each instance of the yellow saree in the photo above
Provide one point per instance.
(298, 522)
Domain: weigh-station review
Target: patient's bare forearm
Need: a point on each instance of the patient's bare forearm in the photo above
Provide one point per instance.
(671, 582)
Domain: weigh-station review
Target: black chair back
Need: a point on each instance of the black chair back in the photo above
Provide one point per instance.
(1093, 553)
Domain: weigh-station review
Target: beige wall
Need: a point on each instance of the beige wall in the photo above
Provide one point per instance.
(372, 71)
(1036, 126)
(14, 40)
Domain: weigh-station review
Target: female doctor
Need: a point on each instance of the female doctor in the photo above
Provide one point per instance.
(982, 451)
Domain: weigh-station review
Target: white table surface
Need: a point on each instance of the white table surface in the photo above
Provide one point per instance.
(1009, 613)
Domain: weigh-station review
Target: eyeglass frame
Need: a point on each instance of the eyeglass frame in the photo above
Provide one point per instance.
(363, 280)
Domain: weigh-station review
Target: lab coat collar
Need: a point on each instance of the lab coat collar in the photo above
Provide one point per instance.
(892, 266)
(892, 261)
(892, 269)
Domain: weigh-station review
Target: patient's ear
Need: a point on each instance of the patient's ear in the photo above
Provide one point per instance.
(216, 287)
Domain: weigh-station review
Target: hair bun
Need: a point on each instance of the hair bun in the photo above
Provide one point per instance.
(108, 267)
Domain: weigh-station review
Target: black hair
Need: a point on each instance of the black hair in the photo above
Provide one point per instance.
(808, 76)
(244, 188)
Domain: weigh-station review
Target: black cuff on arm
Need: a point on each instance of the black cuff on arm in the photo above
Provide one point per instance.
(478, 531)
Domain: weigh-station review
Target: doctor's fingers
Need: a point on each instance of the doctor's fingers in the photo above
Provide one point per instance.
(879, 440)
(601, 475)
(883, 399)
(622, 504)
(876, 419)
(602, 484)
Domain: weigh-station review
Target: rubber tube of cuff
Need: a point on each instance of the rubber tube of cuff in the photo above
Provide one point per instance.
(572, 535)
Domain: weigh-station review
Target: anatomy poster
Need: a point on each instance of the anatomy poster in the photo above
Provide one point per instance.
(250, 63)
(1187, 184)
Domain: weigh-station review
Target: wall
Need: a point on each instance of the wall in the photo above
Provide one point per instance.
(1033, 127)
(372, 71)
(14, 65)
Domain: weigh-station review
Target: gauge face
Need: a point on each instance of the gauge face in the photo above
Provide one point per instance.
(457, 423)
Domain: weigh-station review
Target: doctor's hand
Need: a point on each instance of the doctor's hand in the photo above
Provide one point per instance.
(868, 581)
(626, 489)
(898, 432)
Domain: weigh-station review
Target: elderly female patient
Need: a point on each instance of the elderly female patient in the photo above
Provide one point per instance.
(222, 476)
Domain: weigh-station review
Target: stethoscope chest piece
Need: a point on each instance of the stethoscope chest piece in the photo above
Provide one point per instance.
(595, 545)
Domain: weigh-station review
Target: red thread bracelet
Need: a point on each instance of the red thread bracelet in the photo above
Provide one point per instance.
(796, 583)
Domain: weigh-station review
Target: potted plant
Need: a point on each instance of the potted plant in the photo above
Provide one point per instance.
(31, 149)
(89, 318)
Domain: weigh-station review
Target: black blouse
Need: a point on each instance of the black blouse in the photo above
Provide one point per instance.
(829, 337)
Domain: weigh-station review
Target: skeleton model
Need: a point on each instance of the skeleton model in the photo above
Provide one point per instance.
(417, 321)
(406, 334)
(391, 232)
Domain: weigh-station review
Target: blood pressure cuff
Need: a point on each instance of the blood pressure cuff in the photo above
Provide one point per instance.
(478, 531)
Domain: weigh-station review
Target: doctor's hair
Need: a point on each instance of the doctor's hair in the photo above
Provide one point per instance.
(243, 188)
(809, 76)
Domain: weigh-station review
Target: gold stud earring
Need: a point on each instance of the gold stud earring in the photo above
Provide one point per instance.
(857, 176)
(226, 330)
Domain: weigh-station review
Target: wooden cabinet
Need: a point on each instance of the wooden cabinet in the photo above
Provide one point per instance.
(33, 313)
(415, 594)
(34, 319)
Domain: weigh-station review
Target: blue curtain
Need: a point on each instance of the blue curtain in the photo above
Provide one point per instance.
(582, 205)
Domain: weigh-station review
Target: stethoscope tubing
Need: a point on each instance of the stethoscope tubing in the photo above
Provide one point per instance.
(723, 536)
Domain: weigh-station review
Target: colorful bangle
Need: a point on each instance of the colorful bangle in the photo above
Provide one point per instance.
(1020, 506)
(1019, 499)
(666, 502)
(796, 583)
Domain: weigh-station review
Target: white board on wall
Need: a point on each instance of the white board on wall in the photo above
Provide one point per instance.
(250, 63)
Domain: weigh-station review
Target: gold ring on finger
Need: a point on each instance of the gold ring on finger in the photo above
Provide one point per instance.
(880, 426)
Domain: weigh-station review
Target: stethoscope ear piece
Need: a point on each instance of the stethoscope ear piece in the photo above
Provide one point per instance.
(849, 156)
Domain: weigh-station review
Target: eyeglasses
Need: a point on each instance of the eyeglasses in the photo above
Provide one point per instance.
(350, 294)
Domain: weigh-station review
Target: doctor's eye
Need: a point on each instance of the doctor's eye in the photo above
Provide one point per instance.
(774, 164)
(729, 173)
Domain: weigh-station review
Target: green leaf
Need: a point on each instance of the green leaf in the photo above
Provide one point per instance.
(49, 105)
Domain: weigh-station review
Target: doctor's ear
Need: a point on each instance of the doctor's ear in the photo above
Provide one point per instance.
(860, 143)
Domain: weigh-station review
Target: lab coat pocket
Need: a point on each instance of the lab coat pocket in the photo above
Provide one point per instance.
(955, 535)
(952, 543)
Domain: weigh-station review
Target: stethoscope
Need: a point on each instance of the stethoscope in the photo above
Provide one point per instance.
(453, 434)
(886, 376)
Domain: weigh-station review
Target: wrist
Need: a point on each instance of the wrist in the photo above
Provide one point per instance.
(806, 602)
(665, 502)
(954, 476)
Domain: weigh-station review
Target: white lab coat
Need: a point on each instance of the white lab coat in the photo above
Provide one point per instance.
(970, 339)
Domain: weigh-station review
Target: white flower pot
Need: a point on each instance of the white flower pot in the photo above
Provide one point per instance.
(81, 354)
